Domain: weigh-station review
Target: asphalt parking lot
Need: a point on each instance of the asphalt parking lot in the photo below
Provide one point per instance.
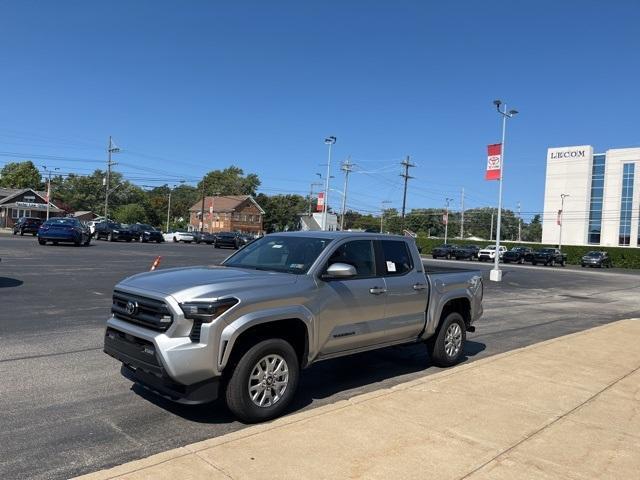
(65, 410)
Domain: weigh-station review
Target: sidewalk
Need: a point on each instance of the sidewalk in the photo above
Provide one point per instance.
(568, 408)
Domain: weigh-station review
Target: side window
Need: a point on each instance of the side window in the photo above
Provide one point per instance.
(358, 253)
(397, 259)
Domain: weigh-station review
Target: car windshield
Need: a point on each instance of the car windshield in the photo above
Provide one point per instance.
(517, 249)
(593, 254)
(287, 254)
(490, 247)
(547, 250)
(72, 222)
(142, 226)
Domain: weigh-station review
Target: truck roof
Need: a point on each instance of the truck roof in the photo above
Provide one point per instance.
(337, 235)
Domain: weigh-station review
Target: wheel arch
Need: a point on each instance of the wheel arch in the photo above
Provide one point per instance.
(293, 325)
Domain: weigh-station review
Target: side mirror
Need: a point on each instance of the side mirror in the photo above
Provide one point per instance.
(340, 270)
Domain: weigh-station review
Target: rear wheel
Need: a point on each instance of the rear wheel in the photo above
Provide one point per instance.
(42, 242)
(447, 345)
(110, 237)
(264, 381)
(552, 263)
(22, 233)
(175, 240)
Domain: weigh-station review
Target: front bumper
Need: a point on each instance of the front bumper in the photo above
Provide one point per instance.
(142, 364)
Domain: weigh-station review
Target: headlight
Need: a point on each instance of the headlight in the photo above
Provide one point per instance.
(116, 231)
(146, 233)
(207, 311)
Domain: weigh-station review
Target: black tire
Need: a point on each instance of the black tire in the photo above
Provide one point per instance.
(15, 232)
(582, 265)
(552, 262)
(437, 343)
(129, 240)
(434, 256)
(215, 245)
(34, 234)
(54, 242)
(42, 242)
(562, 263)
(175, 240)
(110, 237)
(87, 242)
(237, 394)
(158, 241)
(22, 233)
(533, 262)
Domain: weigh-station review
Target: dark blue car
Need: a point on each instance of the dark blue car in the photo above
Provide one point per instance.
(64, 230)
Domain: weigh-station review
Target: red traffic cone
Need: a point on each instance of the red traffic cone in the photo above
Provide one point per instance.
(155, 264)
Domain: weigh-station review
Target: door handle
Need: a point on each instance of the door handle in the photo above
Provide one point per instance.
(419, 286)
(377, 290)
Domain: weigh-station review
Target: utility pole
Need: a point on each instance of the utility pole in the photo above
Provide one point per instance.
(382, 204)
(107, 184)
(462, 215)
(328, 141)
(347, 168)
(202, 210)
(446, 218)
(406, 164)
(519, 224)
(49, 187)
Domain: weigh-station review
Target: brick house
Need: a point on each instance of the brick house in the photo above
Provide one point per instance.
(24, 202)
(229, 213)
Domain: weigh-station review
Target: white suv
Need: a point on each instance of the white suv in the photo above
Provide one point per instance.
(489, 252)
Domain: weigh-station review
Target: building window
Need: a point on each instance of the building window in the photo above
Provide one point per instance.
(626, 203)
(597, 194)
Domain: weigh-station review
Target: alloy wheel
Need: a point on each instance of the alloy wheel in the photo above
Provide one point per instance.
(268, 380)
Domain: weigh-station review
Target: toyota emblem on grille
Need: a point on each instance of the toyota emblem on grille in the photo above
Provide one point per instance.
(132, 307)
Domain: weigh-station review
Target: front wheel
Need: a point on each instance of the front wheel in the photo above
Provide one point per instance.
(263, 381)
(42, 242)
(447, 345)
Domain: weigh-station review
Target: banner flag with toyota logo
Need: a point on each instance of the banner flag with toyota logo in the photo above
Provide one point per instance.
(494, 162)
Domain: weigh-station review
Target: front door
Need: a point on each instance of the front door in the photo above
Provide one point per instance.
(353, 309)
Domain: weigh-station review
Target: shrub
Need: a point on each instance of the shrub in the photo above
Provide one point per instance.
(622, 257)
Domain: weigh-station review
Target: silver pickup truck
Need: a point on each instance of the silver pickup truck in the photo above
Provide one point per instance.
(245, 329)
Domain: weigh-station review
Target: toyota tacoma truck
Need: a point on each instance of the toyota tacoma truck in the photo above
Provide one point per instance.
(244, 330)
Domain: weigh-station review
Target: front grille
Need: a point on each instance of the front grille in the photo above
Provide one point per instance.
(149, 312)
(195, 331)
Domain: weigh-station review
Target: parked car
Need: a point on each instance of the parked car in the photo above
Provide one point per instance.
(145, 233)
(443, 251)
(112, 231)
(596, 259)
(244, 330)
(518, 255)
(549, 256)
(184, 237)
(466, 252)
(227, 239)
(204, 237)
(245, 239)
(64, 230)
(27, 225)
(489, 253)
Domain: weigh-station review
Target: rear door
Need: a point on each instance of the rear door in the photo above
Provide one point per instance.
(407, 290)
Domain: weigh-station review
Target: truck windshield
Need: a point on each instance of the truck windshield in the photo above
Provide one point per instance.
(279, 254)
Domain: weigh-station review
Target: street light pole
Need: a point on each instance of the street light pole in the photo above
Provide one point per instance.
(328, 141)
(496, 274)
(561, 217)
(49, 186)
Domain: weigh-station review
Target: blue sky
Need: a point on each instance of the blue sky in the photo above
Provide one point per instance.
(187, 87)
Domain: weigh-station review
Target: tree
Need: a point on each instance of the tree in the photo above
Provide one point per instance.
(282, 211)
(533, 231)
(21, 175)
(230, 181)
(131, 213)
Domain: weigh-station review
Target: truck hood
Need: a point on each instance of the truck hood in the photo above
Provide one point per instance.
(206, 282)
